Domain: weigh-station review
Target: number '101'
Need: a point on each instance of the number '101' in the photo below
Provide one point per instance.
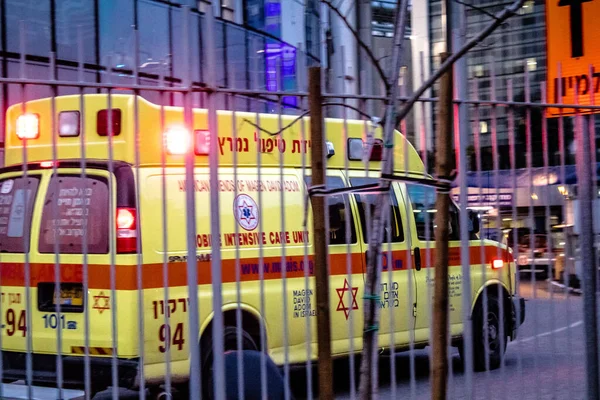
(51, 321)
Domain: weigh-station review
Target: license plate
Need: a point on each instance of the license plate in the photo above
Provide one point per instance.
(72, 296)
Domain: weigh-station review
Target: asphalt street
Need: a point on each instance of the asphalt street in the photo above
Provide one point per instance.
(547, 361)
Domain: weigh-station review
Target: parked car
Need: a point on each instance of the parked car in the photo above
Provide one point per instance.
(537, 252)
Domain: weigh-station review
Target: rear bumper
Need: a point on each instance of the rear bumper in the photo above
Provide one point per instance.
(536, 264)
(44, 370)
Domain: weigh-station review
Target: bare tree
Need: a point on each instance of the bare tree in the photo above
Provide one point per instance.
(392, 116)
(368, 370)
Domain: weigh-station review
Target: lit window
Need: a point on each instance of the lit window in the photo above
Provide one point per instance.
(483, 127)
(478, 70)
(531, 64)
(527, 7)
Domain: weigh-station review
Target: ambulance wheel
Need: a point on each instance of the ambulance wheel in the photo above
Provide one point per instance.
(229, 344)
(488, 341)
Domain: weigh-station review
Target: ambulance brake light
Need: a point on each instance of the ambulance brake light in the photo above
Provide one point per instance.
(497, 264)
(28, 126)
(47, 164)
(177, 140)
(126, 230)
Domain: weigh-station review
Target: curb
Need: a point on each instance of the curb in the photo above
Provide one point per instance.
(564, 287)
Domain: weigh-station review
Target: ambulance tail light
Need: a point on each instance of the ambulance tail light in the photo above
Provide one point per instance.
(177, 140)
(126, 230)
(28, 126)
(497, 263)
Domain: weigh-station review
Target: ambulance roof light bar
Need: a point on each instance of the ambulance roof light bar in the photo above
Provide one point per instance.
(357, 148)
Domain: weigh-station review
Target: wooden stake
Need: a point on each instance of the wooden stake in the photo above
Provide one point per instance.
(443, 166)
(319, 235)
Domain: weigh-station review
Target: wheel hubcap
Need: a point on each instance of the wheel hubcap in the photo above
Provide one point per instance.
(492, 332)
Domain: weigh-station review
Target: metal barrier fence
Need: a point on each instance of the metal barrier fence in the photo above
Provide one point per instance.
(144, 245)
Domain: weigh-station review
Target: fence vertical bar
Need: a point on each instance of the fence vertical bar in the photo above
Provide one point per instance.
(484, 294)
(587, 255)
(27, 266)
(280, 145)
(55, 213)
(496, 163)
(190, 200)
(549, 242)
(513, 174)
(352, 363)
(165, 234)
(87, 369)
(307, 271)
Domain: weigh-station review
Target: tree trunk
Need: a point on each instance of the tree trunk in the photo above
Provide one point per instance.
(439, 364)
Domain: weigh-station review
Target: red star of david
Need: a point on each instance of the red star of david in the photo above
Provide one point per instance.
(341, 292)
(246, 212)
(101, 298)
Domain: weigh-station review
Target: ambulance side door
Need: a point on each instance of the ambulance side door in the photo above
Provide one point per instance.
(345, 264)
(397, 292)
(422, 224)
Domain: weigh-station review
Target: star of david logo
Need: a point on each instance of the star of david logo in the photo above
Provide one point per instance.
(101, 302)
(246, 212)
(341, 294)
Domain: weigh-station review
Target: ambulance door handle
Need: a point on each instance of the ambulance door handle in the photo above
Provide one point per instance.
(417, 253)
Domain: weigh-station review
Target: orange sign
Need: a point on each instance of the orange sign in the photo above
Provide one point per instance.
(573, 43)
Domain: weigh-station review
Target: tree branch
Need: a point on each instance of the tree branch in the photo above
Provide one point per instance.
(362, 45)
(355, 109)
(499, 19)
(304, 114)
(298, 118)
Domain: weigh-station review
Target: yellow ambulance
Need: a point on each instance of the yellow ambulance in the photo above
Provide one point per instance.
(86, 195)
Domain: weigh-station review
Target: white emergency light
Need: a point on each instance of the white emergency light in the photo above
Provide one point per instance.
(177, 140)
(28, 126)
(68, 124)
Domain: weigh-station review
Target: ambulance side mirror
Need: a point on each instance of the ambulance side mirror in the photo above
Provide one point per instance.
(474, 224)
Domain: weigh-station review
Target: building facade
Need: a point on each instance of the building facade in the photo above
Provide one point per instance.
(513, 54)
(254, 48)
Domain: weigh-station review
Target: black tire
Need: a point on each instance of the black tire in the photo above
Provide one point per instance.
(229, 343)
(496, 345)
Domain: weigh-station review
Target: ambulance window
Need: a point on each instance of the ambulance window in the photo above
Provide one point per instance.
(338, 207)
(17, 197)
(72, 204)
(422, 199)
(366, 208)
